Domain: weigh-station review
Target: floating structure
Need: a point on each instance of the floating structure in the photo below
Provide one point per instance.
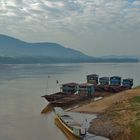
(104, 80)
(55, 96)
(86, 88)
(69, 88)
(72, 93)
(115, 80)
(69, 100)
(92, 79)
(61, 99)
(127, 82)
(113, 84)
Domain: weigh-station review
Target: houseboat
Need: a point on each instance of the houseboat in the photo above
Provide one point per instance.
(69, 88)
(92, 79)
(86, 88)
(66, 90)
(104, 80)
(113, 84)
(103, 83)
(84, 91)
(115, 80)
(72, 93)
(128, 83)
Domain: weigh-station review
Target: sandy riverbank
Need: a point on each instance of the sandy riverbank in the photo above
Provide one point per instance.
(101, 105)
(118, 115)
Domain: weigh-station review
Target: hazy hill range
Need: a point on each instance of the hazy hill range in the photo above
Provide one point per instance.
(10, 46)
(13, 50)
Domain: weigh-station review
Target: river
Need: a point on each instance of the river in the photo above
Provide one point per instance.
(21, 88)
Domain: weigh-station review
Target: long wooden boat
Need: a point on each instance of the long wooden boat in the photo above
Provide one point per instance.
(56, 96)
(68, 124)
(69, 100)
(72, 129)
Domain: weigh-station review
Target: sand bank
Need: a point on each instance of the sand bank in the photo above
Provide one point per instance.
(102, 105)
(118, 115)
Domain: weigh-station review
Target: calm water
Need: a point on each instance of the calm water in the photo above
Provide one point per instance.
(21, 88)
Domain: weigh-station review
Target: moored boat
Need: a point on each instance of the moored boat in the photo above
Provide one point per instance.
(55, 96)
(68, 124)
(72, 93)
(66, 90)
(72, 129)
(67, 97)
(69, 100)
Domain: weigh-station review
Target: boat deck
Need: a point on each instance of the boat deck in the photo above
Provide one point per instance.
(70, 121)
(69, 100)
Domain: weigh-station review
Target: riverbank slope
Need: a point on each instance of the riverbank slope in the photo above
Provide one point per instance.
(118, 115)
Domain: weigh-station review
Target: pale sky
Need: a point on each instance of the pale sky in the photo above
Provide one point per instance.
(95, 27)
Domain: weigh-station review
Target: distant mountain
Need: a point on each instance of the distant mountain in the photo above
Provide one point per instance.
(12, 47)
(15, 51)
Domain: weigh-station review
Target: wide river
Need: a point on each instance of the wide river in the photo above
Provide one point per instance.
(21, 88)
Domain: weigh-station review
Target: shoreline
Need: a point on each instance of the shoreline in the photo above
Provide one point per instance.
(115, 115)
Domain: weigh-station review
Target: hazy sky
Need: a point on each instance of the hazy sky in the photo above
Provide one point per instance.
(95, 27)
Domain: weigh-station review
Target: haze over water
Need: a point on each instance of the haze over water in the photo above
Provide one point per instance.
(21, 88)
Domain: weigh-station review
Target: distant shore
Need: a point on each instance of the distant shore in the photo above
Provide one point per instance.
(56, 60)
(118, 115)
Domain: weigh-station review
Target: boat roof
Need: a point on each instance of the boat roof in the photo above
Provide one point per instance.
(86, 84)
(94, 75)
(70, 84)
(130, 79)
(104, 77)
(115, 77)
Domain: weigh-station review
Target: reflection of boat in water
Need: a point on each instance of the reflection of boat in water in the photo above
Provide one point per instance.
(47, 109)
(68, 125)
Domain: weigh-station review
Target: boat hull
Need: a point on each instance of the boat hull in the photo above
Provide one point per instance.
(56, 96)
(68, 124)
(68, 101)
(69, 133)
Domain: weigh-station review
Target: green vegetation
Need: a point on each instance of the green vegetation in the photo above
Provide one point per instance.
(135, 125)
(135, 128)
(138, 87)
(136, 99)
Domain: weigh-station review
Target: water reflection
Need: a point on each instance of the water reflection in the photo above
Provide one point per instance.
(21, 88)
(64, 130)
(49, 114)
(49, 108)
